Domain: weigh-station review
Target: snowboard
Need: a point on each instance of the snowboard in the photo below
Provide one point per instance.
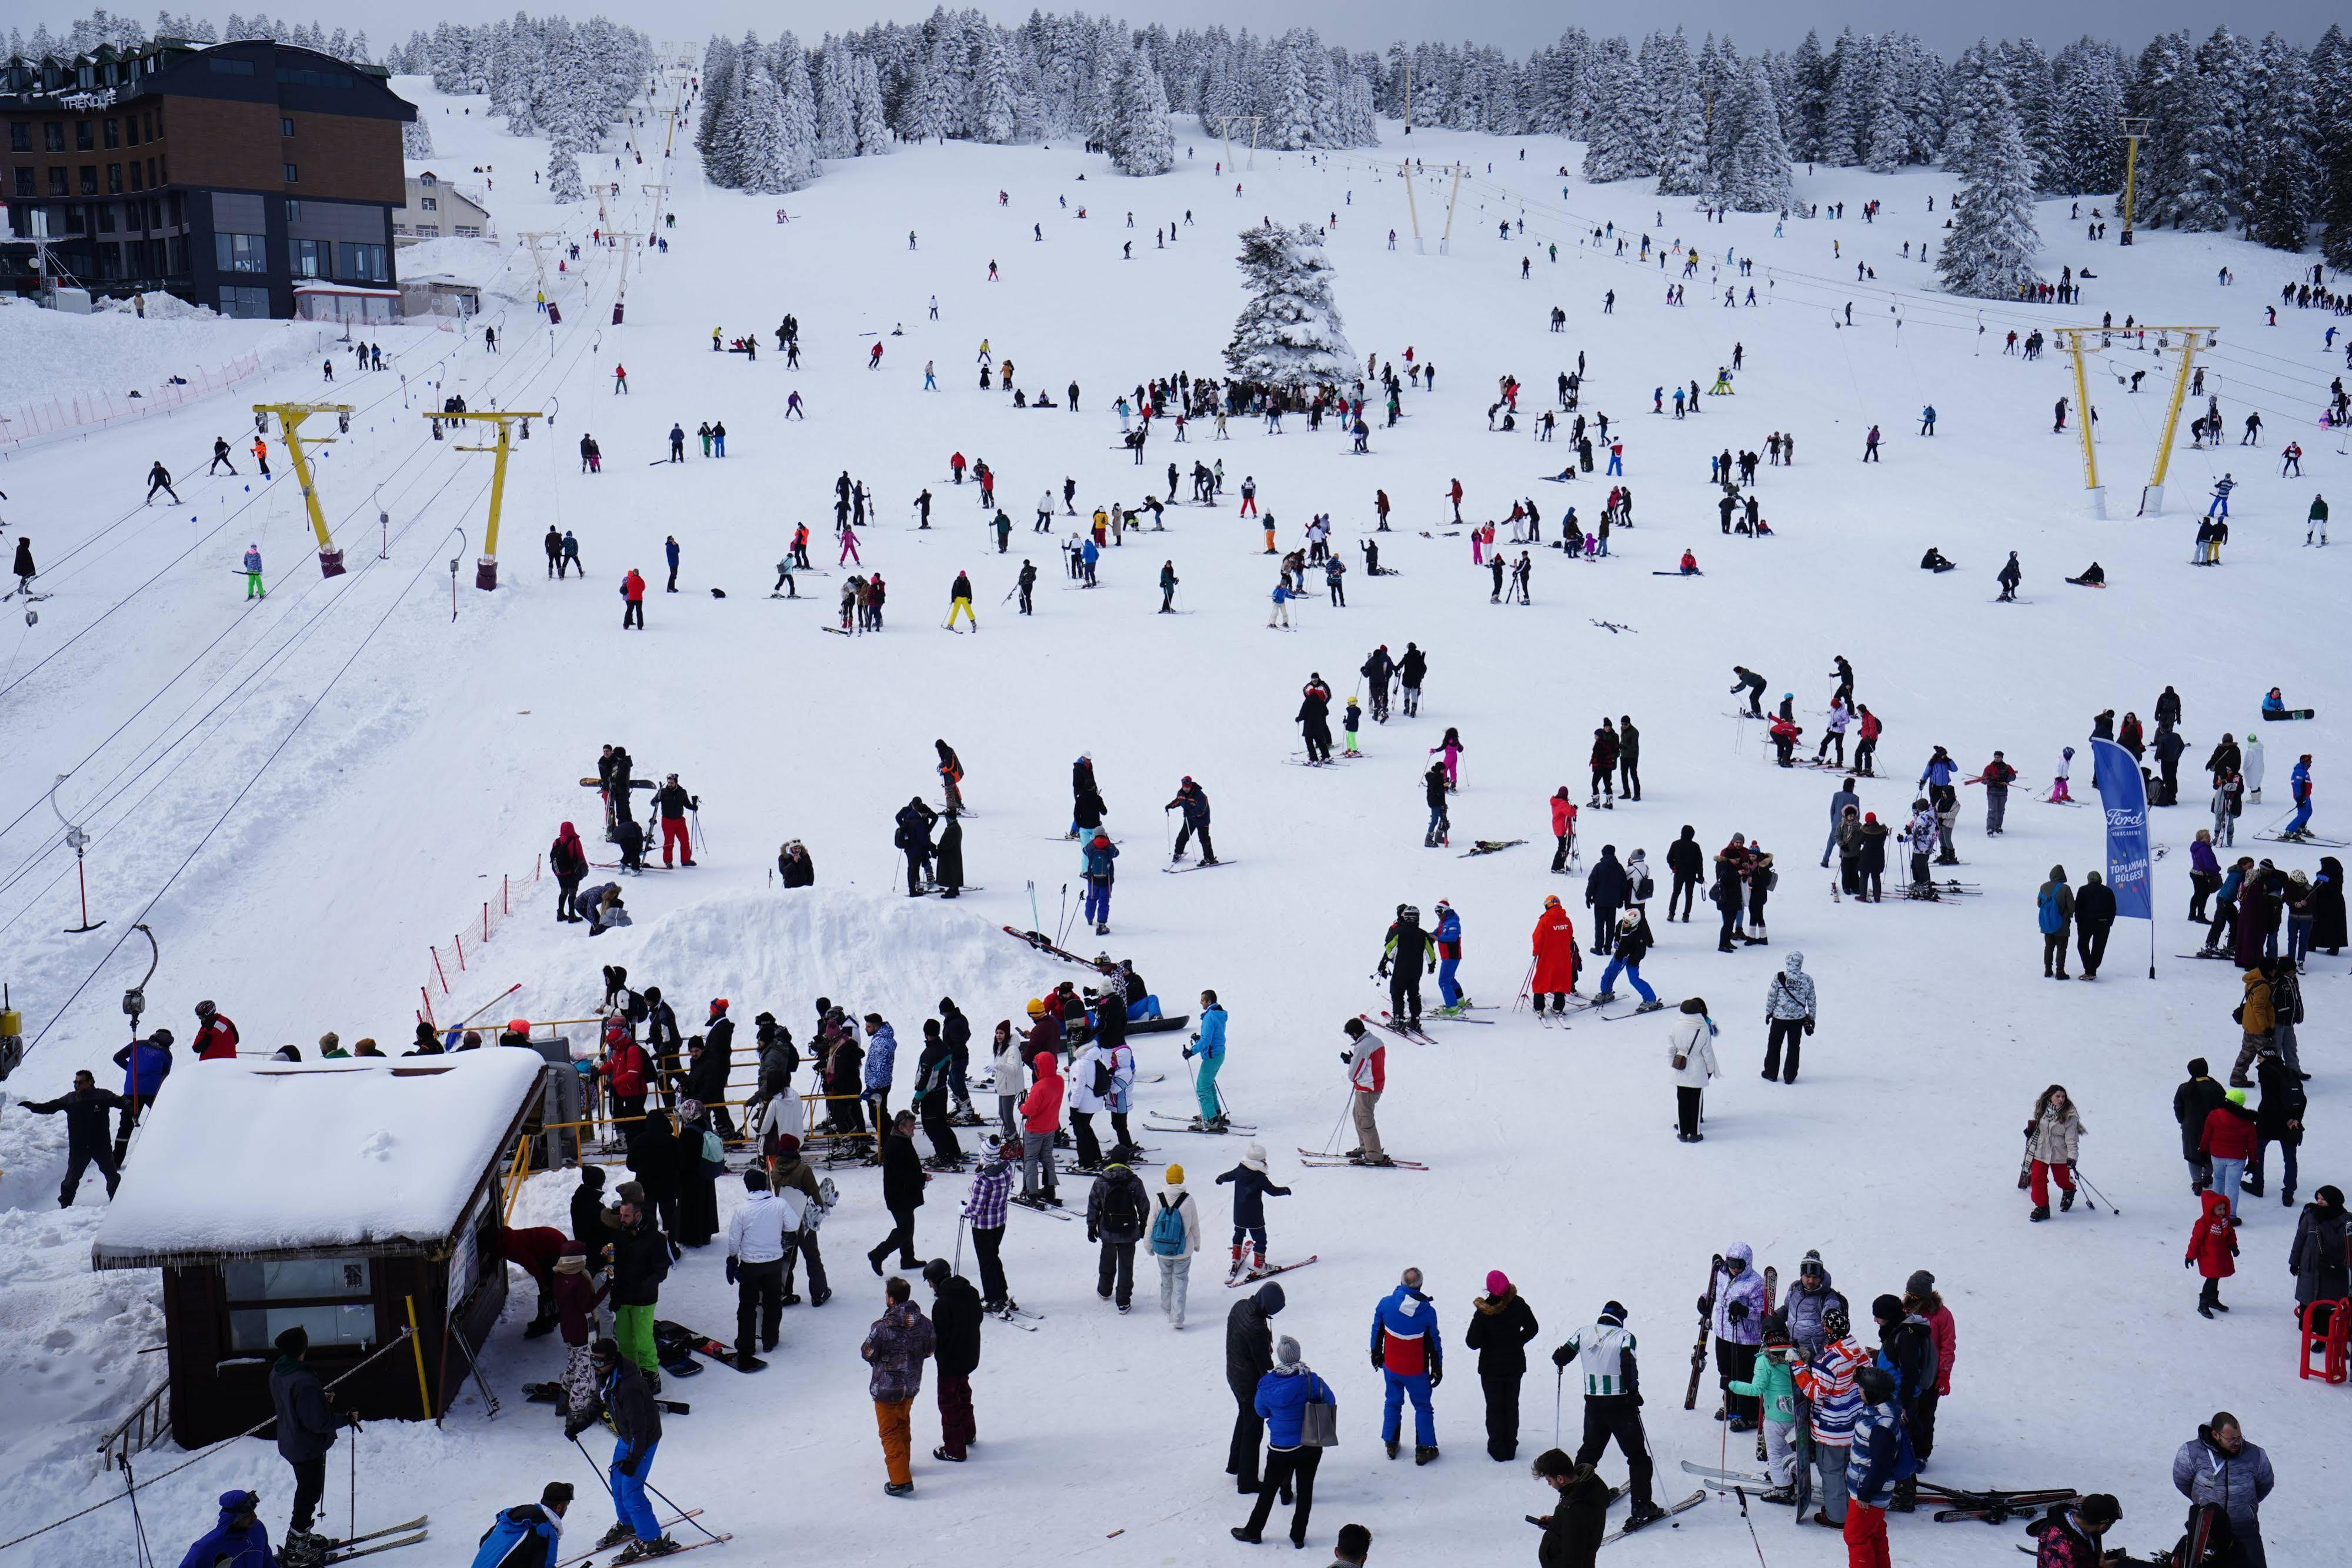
(669, 1336)
(1489, 847)
(2280, 714)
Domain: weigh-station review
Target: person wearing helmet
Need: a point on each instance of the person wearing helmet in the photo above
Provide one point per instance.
(1880, 1461)
(1448, 937)
(1404, 952)
(1826, 1379)
(1554, 976)
(1612, 1403)
(217, 1036)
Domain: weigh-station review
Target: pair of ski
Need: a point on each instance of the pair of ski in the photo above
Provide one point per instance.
(582, 1559)
(1251, 1277)
(1196, 866)
(1018, 1317)
(1323, 1160)
(410, 1534)
(2301, 838)
(1038, 1205)
(1160, 1122)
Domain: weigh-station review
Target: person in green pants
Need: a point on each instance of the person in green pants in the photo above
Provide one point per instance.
(1208, 1048)
(641, 1259)
(253, 588)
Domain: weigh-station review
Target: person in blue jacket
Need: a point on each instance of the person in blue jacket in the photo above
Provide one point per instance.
(239, 1541)
(1448, 937)
(2300, 781)
(526, 1535)
(145, 1065)
(1208, 1048)
(1283, 1396)
(1881, 1458)
(1407, 1353)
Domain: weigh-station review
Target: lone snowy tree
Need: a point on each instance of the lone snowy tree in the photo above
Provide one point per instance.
(1990, 252)
(563, 175)
(1142, 140)
(1289, 332)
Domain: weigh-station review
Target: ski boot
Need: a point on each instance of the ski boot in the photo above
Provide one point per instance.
(620, 1531)
(638, 1551)
(303, 1548)
(1257, 1270)
(1219, 1124)
(2066, 1200)
(1604, 999)
(1392, 1445)
(1652, 1006)
(1234, 1274)
(1424, 1455)
(1643, 1513)
(2040, 1212)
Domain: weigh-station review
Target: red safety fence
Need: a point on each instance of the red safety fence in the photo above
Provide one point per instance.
(462, 949)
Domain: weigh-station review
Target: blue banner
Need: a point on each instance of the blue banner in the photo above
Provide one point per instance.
(2123, 792)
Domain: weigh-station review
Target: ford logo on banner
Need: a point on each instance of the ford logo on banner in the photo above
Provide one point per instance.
(2122, 791)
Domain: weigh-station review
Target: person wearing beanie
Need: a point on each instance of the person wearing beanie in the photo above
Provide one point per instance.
(756, 1234)
(1826, 1380)
(2072, 1535)
(1410, 1359)
(239, 1540)
(2192, 1102)
(2228, 1144)
(1920, 1300)
(1880, 1459)
(1690, 1057)
(1117, 1214)
(1174, 1238)
(1735, 1301)
(1906, 1351)
(622, 1396)
(955, 1335)
(577, 1296)
(1775, 1394)
(1249, 1357)
(793, 1174)
(305, 1430)
(528, 1534)
(1252, 1187)
(1613, 1405)
(985, 1207)
(1282, 1399)
(1574, 1529)
(1501, 1324)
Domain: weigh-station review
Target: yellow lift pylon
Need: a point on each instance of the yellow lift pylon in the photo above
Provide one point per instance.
(2076, 339)
(290, 430)
(486, 569)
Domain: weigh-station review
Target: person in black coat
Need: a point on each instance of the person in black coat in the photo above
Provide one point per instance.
(2192, 1102)
(85, 1106)
(955, 1350)
(1501, 1324)
(2278, 1120)
(902, 1192)
(2327, 932)
(1688, 863)
(913, 840)
(1573, 1529)
(1086, 808)
(1604, 893)
(2169, 747)
(590, 1225)
(305, 1425)
(698, 1184)
(1314, 721)
(708, 1069)
(2095, 915)
(1249, 1357)
(947, 860)
(653, 1159)
(955, 1034)
(793, 865)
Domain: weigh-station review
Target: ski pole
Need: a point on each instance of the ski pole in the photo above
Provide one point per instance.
(1332, 1144)
(2095, 1193)
(681, 1513)
(598, 1469)
(959, 1247)
(1033, 905)
(1559, 1391)
(1524, 984)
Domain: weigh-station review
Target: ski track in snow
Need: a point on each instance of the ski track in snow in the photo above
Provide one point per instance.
(447, 752)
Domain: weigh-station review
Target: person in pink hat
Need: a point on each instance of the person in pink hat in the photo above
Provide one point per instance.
(1501, 1324)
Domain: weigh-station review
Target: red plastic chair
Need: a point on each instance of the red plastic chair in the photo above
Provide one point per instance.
(2328, 1341)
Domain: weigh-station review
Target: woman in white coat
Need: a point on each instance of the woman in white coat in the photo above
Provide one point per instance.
(1086, 1102)
(1690, 1057)
(1012, 1075)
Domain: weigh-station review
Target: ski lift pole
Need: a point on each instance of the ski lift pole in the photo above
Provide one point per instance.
(79, 841)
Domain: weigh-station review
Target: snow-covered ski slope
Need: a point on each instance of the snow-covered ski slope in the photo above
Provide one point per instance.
(326, 783)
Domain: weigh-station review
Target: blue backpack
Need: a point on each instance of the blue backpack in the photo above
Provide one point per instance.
(1168, 1230)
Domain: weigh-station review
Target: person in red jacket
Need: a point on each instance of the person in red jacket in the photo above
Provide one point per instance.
(2212, 1250)
(1041, 1118)
(632, 589)
(217, 1036)
(1554, 945)
(623, 1071)
(567, 861)
(1866, 752)
(1563, 828)
(1920, 1296)
(2228, 1144)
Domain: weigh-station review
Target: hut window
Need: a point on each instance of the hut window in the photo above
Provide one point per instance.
(332, 1297)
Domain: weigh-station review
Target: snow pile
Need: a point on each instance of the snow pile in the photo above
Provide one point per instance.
(257, 1156)
(156, 307)
(52, 356)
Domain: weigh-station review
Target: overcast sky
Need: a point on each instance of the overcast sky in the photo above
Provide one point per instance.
(1515, 26)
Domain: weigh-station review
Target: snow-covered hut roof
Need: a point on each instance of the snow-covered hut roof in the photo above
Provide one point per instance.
(245, 1159)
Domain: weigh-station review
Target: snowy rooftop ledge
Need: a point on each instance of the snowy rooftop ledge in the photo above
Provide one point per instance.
(261, 1158)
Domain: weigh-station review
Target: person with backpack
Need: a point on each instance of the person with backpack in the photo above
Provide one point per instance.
(1090, 1086)
(1250, 1186)
(1116, 1211)
(527, 1535)
(1175, 1236)
(1282, 1400)
(1207, 1046)
(1099, 868)
(1501, 1324)
(2053, 909)
(1880, 1464)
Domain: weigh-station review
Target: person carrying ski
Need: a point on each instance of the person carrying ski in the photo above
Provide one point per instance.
(1408, 1354)
(1612, 1403)
(1406, 951)
(1252, 1186)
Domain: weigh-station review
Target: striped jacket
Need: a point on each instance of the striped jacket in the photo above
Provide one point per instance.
(1827, 1381)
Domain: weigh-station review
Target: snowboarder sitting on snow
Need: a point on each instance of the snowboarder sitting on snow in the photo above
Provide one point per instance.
(1689, 565)
(2093, 576)
(1935, 560)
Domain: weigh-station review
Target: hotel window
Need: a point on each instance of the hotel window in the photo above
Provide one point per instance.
(293, 173)
(113, 134)
(286, 125)
(240, 252)
(114, 179)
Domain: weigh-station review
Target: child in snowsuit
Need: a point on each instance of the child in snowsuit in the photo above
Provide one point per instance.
(1252, 1186)
(1773, 1387)
(2212, 1251)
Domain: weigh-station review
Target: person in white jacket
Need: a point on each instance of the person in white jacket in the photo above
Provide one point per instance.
(1012, 1074)
(1690, 1056)
(1084, 1102)
(2250, 768)
(1173, 1238)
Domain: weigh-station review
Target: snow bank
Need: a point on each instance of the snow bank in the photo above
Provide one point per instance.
(265, 1156)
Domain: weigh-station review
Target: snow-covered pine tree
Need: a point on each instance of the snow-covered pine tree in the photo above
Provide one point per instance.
(416, 138)
(866, 110)
(2086, 110)
(755, 136)
(2283, 122)
(1289, 333)
(993, 90)
(718, 59)
(1682, 135)
(1811, 67)
(563, 175)
(836, 128)
(1885, 141)
(1754, 176)
(1989, 251)
(2331, 70)
(2202, 172)
(1617, 143)
(796, 115)
(1141, 142)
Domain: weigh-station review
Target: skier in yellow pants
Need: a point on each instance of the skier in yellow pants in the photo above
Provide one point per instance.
(960, 602)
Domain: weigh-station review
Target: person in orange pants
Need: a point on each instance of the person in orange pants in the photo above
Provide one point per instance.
(895, 1347)
(672, 801)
